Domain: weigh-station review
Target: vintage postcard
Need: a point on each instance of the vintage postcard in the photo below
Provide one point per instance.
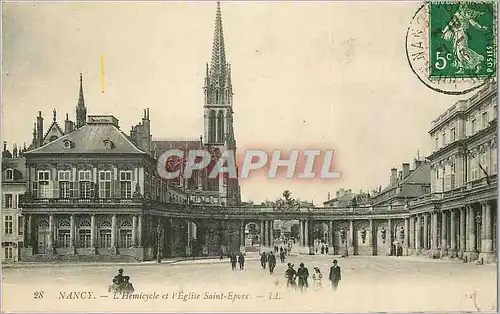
(235, 156)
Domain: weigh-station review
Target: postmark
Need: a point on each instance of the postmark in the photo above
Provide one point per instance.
(451, 46)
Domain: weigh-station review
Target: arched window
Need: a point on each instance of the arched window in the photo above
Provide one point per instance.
(105, 233)
(220, 127)
(43, 225)
(64, 233)
(126, 234)
(211, 126)
(84, 233)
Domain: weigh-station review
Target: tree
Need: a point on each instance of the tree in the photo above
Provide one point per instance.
(286, 203)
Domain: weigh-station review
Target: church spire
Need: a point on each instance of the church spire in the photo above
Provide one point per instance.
(218, 63)
(81, 110)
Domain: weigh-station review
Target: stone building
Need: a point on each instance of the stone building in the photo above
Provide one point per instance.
(13, 187)
(458, 217)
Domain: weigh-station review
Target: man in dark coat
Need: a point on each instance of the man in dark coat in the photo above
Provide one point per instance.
(119, 278)
(335, 275)
(290, 275)
(263, 260)
(303, 274)
(233, 261)
(271, 260)
(241, 260)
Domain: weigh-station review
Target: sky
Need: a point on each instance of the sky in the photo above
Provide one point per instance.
(325, 75)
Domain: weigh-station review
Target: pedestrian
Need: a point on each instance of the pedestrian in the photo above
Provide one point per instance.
(282, 256)
(290, 275)
(241, 260)
(322, 249)
(303, 274)
(316, 250)
(317, 277)
(221, 254)
(335, 275)
(233, 260)
(326, 249)
(271, 260)
(263, 260)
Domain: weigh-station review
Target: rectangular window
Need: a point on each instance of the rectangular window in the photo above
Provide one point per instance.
(436, 146)
(43, 186)
(485, 119)
(495, 112)
(443, 140)
(9, 174)
(84, 175)
(104, 184)
(473, 126)
(452, 135)
(64, 175)
(65, 189)
(43, 175)
(8, 252)
(84, 238)
(126, 184)
(64, 238)
(125, 238)
(8, 201)
(105, 238)
(8, 225)
(85, 189)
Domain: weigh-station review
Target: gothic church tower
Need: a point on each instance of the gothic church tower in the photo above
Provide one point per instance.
(218, 111)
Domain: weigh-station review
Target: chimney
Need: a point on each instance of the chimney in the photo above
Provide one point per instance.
(400, 175)
(328, 195)
(406, 169)
(4, 146)
(14, 151)
(69, 125)
(394, 173)
(39, 129)
(418, 163)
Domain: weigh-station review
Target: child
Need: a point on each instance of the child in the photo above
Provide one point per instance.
(317, 276)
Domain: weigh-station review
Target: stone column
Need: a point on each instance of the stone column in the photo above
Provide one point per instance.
(462, 227)
(306, 233)
(487, 254)
(390, 236)
(330, 234)
(418, 236)
(92, 231)
(434, 233)
(51, 234)
(472, 230)
(113, 231)
(29, 231)
(271, 233)
(262, 232)
(139, 230)
(301, 230)
(407, 237)
(444, 233)
(372, 234)
(426, 232)
(134, 231)
(412, 234)
(453, 232)
(350, 238)
(242, 236)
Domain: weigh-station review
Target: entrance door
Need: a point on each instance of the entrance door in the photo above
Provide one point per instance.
(43, 241)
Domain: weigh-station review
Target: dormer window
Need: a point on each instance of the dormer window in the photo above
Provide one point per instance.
(67, 144)
(108, 144)
(9, 174)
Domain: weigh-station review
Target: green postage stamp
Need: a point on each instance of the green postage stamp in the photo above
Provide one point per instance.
(461, 39)
(451, 46)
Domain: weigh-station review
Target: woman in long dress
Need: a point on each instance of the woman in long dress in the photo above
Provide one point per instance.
(456, 30)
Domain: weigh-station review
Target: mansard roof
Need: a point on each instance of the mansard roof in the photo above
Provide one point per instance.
(18, 165)
(98, 138)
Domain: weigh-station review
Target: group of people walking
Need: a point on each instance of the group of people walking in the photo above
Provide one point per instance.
(302, 274)
(237, 258)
